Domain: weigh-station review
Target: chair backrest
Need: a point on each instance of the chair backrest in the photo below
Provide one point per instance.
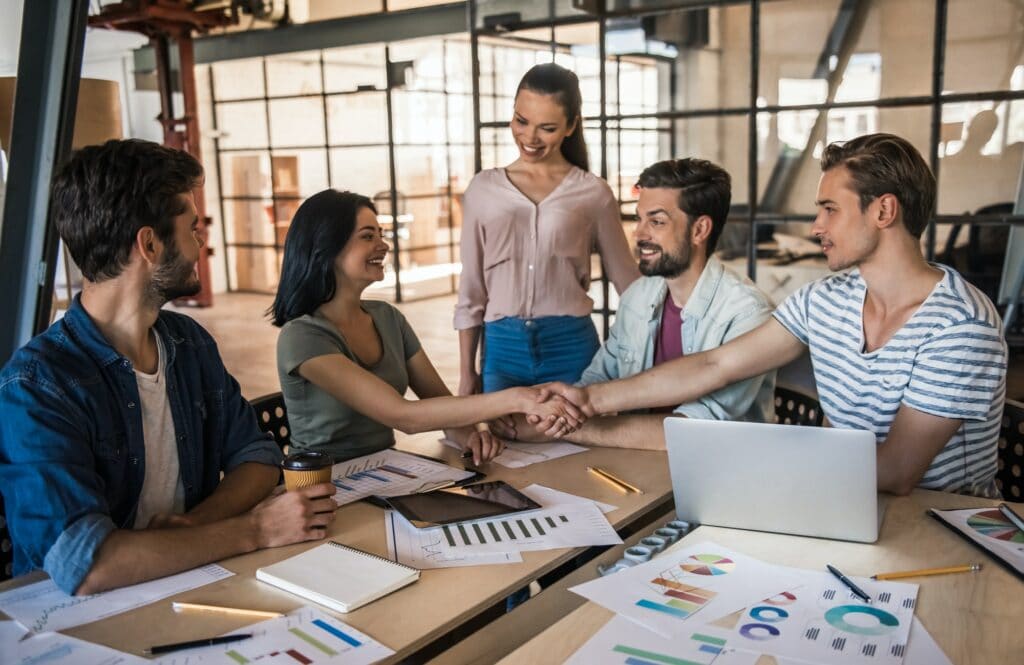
(1010, 473)
(273, 418)
(6, 546)
(795, 408)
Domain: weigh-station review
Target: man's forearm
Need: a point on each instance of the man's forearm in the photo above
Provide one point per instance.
(639, 431)
(130, 557)
(240, 489)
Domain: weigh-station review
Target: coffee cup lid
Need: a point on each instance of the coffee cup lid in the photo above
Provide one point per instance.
(307, 461)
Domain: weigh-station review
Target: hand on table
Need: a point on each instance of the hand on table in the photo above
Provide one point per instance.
(292, 517)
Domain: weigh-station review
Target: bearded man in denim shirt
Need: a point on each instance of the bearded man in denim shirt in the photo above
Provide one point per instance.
(686, 302)
(127, 452)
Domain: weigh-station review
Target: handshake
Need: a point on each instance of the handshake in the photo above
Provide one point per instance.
(553, 409)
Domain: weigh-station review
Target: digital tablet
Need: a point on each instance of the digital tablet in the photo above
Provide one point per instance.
(461, 504)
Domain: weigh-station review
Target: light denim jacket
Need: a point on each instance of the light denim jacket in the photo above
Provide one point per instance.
(723, 306)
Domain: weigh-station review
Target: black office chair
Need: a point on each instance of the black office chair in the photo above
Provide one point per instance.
(6, 546)
(1010, 473)
(273, 417)
(795, 408)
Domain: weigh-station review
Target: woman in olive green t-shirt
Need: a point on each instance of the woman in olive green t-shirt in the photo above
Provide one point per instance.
(345, 363)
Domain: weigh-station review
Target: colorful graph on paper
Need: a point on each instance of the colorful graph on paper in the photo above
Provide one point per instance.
(709, 564)
(390, 473)
(993, 524)
(678, 599)
(306, 636)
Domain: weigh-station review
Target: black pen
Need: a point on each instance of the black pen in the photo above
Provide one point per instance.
(466, 455)
(1014, 518)
(209, 642)
(857, 591)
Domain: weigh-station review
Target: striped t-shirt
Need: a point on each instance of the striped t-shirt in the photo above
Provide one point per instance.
(949, 359)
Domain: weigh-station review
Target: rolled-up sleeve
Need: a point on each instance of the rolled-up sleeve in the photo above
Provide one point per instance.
(469, 311)
(56, 510)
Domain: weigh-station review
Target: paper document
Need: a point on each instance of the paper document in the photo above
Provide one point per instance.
(990, 529)
(57, 649)
(621, 641)
(42, 606)
(549, 498)
(390, 473)
(306, 635)
(422, 549)
(665, 592)
(516, 454)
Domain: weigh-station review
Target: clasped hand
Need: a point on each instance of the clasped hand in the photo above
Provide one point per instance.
(559, 409)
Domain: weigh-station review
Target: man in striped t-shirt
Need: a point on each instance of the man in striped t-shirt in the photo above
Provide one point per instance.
(901, 347)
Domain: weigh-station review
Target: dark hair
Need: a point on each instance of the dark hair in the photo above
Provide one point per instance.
(318, 232)
(564, 86)
(887, 164)
(105, 193)
(704, 189)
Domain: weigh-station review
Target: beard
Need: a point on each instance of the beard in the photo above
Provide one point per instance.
(173, 278)
(668, 265)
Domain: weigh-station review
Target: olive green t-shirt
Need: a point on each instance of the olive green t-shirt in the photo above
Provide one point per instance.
(318, 421)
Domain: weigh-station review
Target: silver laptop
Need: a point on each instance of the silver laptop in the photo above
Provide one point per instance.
(809, 481)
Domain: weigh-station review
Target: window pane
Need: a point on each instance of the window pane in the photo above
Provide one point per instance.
(357, 118)
(238, 79)
(874, 49)
(296, 122)
(496, 148)
(983, 154)
(362, 170)
(983, 48)
(294, 74)
(459, 66)
(354, 67)
(242, 124)
(249, 222)
(245, 174)
(423, 61)
(253, 269)
(419, 117)
(420, 170)
(299, 173)
(461, 165)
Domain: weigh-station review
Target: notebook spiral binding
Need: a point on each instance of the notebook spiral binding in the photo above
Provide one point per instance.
(373, 556)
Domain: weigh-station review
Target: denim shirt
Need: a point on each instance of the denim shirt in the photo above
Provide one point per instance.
(723, 306)
(72, 456)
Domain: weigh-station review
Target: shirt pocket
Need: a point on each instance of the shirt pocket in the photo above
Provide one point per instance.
(111, 446)
(499, 241)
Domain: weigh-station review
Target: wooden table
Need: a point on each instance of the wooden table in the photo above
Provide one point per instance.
(443, 601)
(977, 618)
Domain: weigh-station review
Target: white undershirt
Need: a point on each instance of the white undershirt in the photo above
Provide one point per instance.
(162, 490)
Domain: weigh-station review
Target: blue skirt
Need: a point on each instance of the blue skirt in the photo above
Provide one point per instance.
(525, 352)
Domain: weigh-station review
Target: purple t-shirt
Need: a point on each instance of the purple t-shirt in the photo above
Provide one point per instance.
(669, 344)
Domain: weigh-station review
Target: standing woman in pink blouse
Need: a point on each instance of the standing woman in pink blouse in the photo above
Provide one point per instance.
(528, 232)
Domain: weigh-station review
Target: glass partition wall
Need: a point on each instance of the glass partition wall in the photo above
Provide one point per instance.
(759, 87)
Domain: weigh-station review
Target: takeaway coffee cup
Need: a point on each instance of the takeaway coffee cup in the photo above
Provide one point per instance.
(305, 469)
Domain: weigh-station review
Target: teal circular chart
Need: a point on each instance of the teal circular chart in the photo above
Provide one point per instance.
(768, 614)
(836, 617)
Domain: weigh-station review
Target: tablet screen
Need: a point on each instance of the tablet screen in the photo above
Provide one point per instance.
(459, 504)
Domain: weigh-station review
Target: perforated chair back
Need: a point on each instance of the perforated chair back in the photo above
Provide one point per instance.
(1010, 473)
(273, 417)
(6, 546)
(795, 408)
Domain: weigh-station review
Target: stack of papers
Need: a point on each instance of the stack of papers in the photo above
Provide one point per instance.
(565, 520)
(708, 604)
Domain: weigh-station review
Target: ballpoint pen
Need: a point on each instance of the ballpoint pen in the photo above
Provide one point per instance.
(857, 591)
(177, 646)
(1015, 519)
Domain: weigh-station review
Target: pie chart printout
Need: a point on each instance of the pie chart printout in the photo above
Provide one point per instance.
(993, 524)
(708, 564)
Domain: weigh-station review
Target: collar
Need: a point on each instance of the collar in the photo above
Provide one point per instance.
(85, 332)
(703, 292)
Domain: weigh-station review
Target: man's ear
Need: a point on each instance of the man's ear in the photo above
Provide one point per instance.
(887, 210)
(700, 230)
(148, 245)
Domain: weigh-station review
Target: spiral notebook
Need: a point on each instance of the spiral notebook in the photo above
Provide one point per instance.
(339, 577)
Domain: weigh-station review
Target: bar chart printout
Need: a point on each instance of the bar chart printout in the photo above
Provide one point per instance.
(390, 473)
(305, 636)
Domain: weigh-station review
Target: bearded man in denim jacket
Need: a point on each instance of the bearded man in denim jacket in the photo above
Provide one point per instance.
(127, 452)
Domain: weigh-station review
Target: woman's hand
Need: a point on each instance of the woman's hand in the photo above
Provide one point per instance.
(551, 413)
(484, 445)
(469, 383)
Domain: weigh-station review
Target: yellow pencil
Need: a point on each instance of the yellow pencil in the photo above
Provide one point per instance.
(966, 568)
(178, 607)
(619, 482)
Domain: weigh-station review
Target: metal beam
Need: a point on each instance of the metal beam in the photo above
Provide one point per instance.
(49, 69)
(332, 33)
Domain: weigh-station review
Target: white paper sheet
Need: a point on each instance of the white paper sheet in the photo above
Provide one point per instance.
(621, 639)
(550, 498)
(516, 455)
(822, 621)
(57, 649)
(664, 593)
(42, 606)
(306, 635)
(390, 473)
(421, 549)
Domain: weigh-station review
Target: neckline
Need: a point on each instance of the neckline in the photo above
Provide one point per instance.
(863, 338)
(380, 339)
(572, 169)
